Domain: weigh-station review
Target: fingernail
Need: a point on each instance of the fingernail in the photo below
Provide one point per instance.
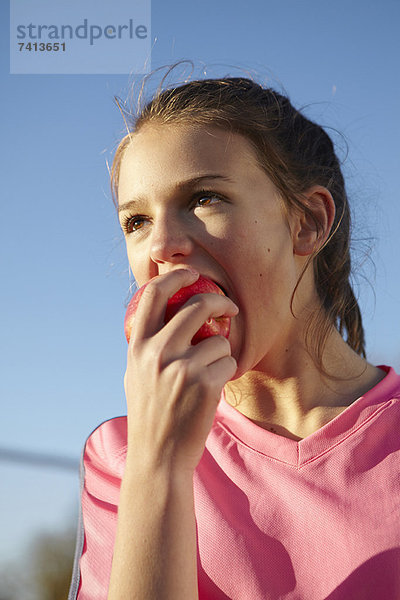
(236, 309)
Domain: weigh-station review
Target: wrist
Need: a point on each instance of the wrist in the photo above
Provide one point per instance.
(150, 472)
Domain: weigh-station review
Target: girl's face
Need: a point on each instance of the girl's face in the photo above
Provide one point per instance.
(197, 197)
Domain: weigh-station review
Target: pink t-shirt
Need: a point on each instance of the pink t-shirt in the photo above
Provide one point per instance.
(317, 519)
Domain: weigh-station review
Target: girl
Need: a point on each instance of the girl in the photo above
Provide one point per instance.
(264, 466)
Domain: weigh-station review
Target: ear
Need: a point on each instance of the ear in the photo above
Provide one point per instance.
(307, 237)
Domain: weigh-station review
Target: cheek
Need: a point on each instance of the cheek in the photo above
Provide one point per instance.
(269, 278)
(139, 267)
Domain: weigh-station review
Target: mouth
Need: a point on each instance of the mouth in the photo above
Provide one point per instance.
(220, 287)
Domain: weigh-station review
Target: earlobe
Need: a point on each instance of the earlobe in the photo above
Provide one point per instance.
(314, 224)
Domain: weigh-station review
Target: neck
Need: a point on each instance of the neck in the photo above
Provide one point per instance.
(291, 397)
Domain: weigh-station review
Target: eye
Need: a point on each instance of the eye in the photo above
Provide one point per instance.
(204, 198)
(131, 223)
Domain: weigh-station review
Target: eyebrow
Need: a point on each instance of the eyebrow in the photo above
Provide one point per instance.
(182, 186)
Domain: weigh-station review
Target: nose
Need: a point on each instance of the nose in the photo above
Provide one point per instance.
(170, 241)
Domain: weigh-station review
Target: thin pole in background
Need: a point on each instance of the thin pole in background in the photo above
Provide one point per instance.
(38, 459)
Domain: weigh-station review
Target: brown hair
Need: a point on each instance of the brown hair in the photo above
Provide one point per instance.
(296, 154)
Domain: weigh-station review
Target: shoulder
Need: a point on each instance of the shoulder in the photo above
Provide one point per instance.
(103, 459)
(388, 388)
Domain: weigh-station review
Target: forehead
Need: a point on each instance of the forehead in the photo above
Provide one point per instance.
(161, 155)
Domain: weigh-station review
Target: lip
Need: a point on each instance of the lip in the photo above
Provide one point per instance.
(221, 287)
(217, 283)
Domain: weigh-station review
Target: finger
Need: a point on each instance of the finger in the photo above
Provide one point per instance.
(193, 314)
(210, 350)
(149, 317)
(221, 371)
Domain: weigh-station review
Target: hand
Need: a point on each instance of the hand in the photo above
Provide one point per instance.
(173, 388)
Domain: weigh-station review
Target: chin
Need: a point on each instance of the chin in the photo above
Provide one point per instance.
(242, 366)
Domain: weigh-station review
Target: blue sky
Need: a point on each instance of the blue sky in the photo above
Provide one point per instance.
(63, 270)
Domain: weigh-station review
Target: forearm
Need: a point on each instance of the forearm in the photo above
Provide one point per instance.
(155, 547)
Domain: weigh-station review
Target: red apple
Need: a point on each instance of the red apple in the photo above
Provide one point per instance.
(213, 326)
